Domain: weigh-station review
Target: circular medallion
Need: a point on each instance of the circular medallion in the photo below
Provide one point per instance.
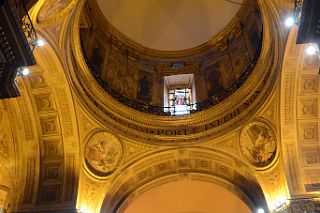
(102, 153)
(258, 143)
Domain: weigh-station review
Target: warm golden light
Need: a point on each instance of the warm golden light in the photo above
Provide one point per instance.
(278, 202)
(85, 209)
(188, 196)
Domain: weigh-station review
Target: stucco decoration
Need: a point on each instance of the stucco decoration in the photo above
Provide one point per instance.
(103, 153)
(258, 143)
(53, 10)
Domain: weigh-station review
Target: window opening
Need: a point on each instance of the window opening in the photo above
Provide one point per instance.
(179, 94)
(180, 101)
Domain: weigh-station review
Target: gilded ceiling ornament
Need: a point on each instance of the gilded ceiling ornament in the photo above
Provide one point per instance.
(308, 109)
(103, 153)
(309, 133)
(309, 84)
(258, 143)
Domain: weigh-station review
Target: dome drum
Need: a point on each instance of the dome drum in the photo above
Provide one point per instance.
(135, 77)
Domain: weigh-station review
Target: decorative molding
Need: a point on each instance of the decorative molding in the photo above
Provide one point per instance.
(25, 113)
(52, 149)
(293, 168)
(45, 102)
(30, 181)
(54, 30)
(71, 174)
(50, 125)
(308, 132)
(37, 81)
(308, 108)
(4, 146)
(65, 112)
(289, 98)
(133, 149)
(51, 11)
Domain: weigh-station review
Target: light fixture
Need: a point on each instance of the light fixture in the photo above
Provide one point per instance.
(260, 210)
(82, 209)
(25, 71)
(311, 49)
(272, 207)
(39, 42)
(282, 200)
(289, 21)
(22, 71)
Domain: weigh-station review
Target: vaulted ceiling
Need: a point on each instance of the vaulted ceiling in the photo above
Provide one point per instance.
(48, 133)
(187, 197)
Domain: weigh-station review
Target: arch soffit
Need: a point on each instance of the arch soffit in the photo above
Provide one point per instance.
(17, 140)
(299, 119)
(53, 128)
(172, 164)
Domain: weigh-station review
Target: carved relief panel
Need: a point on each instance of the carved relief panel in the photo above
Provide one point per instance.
(44, 102)
(310, 64)
(37, 81)
(309, 84)
(49, 125)
(308, 107)
(308, 132)
(311, 155)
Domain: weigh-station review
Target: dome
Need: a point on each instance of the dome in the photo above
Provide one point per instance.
(150, 55)
(169, 25)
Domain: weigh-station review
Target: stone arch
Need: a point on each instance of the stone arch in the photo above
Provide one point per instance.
(45, 128)
(194, 163)
(55, 116)
(300, 119)
(11, 155)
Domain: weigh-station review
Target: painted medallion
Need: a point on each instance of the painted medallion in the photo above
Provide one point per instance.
(103, 153)
(258, 143)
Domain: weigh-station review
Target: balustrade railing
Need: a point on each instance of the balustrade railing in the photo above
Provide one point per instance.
(297, 10)
(17, 40)
(23, 21)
